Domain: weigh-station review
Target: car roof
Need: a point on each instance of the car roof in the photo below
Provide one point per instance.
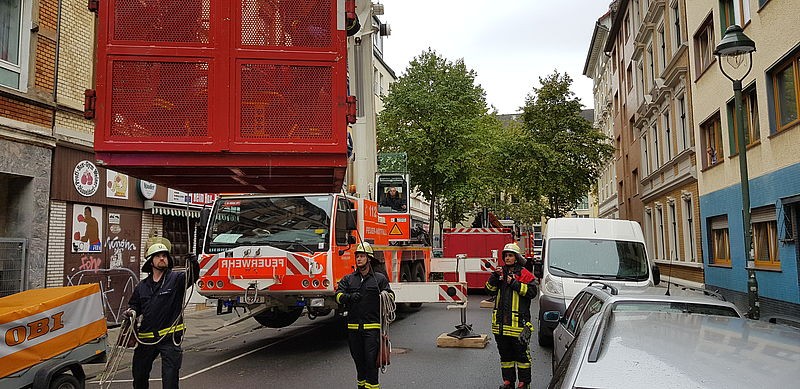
(657, 294)
(662, 349)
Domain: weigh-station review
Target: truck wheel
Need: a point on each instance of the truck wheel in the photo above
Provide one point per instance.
(418, 276)
(405, 272)
(65, 381)
(544, 340)
(277, 318)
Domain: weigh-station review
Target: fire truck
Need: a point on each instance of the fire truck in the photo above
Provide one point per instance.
(280, 255)
(475, 250)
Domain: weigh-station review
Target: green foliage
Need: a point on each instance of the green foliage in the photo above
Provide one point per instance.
(568, 151)
(432, 113)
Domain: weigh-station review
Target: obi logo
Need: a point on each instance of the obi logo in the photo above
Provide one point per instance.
(34, 329)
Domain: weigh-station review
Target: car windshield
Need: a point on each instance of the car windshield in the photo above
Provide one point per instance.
(598, 258)
(674, 307)
(292, 223)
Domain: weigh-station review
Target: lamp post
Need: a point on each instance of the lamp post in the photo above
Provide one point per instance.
(734, 46)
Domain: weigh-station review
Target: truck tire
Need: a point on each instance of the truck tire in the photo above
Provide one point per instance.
(417, 275)
(277, 318)
(65, 381)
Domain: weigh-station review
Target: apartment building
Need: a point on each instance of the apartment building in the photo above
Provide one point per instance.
(598, 68)
(620, 47)
(771, 93)
(664, 122)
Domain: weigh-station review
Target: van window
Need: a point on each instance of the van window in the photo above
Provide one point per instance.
(597, 258)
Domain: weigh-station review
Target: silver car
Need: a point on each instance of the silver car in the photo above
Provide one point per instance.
(636, 349)
(599, 296)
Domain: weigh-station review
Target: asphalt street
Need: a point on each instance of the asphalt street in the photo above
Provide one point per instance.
(314, 354)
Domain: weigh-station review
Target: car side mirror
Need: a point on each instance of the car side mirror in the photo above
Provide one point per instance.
(656, 275)
(551, 316)
(538, 268)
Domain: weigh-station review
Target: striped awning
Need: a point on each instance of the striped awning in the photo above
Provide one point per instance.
(172, 210)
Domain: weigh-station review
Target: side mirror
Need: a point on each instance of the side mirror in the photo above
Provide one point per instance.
(538, 268)
(551, 316)
(656, 275)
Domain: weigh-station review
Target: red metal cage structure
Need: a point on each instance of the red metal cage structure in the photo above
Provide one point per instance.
(223, 95)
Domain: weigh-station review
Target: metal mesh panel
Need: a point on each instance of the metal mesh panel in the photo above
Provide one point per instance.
(162, 20)
(282, 102)
(159, 99)
(287, 23)
(12, 257)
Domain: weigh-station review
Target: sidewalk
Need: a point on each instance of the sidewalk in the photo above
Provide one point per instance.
(203, 326)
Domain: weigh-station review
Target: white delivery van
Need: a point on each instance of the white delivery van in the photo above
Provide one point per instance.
(578, 251)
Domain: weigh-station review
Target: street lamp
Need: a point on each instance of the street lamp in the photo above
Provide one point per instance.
(734, 46)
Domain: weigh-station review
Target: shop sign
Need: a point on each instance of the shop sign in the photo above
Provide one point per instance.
(86, 178)
(147, 189)
(177, 197)
(116, 185)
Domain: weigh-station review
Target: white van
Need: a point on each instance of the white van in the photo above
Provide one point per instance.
(578, 251)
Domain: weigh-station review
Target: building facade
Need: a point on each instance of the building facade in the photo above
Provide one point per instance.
(620, 47)
(771, 93)
(598, 68)
(664, 124)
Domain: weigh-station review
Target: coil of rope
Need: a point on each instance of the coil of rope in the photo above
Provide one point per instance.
(387, 308)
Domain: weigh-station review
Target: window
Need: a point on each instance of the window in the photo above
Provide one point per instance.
(646, 159)
(686, 137)
(673, 231)
(720, 250)
(787, 89)
(663, 53)
(661, 249)
(688, 228)
(651, 61)
(627, 27)
(676, 25)
(711, 133)
(765, 237)
(648, 229)
(704, 46)
(629, 75)
(376, 87)
(573, 312)
(656, 153)
(752, 130)
(640, 77)
(734, 12)
(667, 137)
(14, 42)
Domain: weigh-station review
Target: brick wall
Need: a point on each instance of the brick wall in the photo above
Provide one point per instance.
(76, 59)
(45, 64)
(56, 244)
(25, 112)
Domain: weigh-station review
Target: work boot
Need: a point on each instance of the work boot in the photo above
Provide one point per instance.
(507, 385)
(523, 385)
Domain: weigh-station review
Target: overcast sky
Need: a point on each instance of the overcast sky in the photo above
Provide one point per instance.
(509, 43)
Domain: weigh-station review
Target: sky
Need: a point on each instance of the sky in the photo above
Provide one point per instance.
(509, 43)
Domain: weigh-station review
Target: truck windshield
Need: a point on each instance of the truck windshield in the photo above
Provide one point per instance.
(292, 223)
(596, 258)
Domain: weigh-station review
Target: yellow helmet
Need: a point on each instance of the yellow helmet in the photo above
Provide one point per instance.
(153, 250)
(365, 248)
(514, 248)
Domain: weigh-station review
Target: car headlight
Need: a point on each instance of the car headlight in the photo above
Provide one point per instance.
(553, 287)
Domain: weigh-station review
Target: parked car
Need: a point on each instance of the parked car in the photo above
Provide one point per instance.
(578, 251)
(599, 296)
(641, 349)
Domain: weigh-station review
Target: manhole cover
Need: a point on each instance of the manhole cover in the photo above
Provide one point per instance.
(399, 350)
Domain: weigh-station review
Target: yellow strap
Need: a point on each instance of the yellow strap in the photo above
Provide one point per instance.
(367, 326)
(150, 335)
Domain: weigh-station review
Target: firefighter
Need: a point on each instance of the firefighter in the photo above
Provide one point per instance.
(158, 300)
(359, 292)
(514, 288)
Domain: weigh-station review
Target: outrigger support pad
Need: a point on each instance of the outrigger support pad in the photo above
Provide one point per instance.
(463, 330)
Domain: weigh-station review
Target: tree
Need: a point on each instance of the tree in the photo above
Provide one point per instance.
(568, 151)
(431, 114)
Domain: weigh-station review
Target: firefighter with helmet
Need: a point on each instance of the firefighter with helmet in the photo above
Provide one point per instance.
(158, 301)
(359, 293)
(514, 288)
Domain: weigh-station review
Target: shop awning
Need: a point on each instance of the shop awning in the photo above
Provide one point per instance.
(172, 210)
